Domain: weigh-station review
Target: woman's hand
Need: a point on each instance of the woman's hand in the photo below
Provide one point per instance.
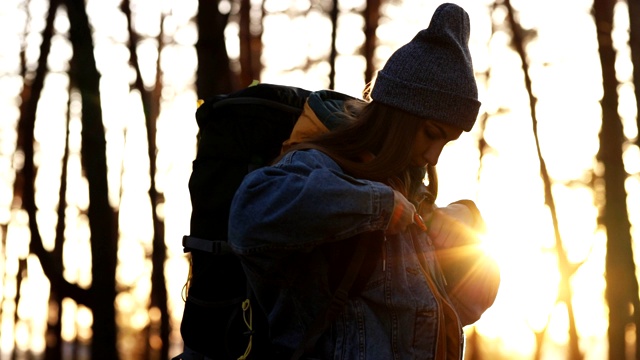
(451, 226)
(403, 214)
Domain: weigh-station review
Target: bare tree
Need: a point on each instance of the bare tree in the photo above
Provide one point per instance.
(634, 43)
(622, 285)
(24, 189)
(567, 270)
(250, 42)
(151, 109)
(214, 75)
(54, 331)
(102, 220)
(333, 53)
(24, 185)
(100, 298)
(371, 19)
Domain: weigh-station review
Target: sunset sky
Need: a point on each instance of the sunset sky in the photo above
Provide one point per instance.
(504, 181)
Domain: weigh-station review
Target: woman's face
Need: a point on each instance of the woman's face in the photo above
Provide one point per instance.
(431, 138)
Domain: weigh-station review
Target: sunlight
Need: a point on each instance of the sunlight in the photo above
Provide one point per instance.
(68, 323)
(33, 306)
(76, 254)
(631, 159)
(131, 253)
(588, 287)
(16, 247)
(7, 336)
(627, 109)
(504, 180)
(84, 319)
(139, 319)
(147, 52)
(22, 335)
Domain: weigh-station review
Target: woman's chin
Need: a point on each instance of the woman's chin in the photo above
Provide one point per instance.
(422, 164)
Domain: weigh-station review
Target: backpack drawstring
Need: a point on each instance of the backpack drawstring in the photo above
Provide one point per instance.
(246, 307)
(185, 288)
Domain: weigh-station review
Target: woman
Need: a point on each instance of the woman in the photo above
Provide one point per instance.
(293, 224)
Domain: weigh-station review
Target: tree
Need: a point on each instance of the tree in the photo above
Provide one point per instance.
(371, 18)
(151, 108)
(102, 220)
(567, 270)
(214, 73)
(250, 42)
(634, 43)
(622, 285)
(101, 296)
(24, 186)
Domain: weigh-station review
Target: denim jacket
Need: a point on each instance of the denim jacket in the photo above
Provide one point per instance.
(280, 219)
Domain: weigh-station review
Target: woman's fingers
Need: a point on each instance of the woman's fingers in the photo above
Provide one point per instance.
(447, 231)
(403, 214)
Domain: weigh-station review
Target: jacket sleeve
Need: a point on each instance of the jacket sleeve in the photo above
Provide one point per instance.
(472, 285)
(473, 277)
(303, 201)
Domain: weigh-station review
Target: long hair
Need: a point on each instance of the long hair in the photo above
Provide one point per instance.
(387, 133)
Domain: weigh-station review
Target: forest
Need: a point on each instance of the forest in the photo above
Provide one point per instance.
(98, 135)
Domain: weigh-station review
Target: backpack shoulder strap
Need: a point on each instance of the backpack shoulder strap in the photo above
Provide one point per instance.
(215, 247)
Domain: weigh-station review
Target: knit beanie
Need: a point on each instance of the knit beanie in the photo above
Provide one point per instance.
(432, 76)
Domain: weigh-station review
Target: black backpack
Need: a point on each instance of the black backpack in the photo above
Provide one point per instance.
(238, 132)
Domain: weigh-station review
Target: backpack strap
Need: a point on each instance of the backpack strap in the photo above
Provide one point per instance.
(215, 247)
(339, 299)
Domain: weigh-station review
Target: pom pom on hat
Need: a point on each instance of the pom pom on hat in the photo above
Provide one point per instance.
(432, 75)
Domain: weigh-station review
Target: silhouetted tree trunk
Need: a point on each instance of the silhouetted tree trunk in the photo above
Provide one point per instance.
(214, 75)
(102, 222)
(24, 187)
(634, 43)
(151, 108)
(250, 43)
(54, 331)
(24, 190)
(566, 269)
(371, 18)
(159, 295)
(622, 286)
(333, 53)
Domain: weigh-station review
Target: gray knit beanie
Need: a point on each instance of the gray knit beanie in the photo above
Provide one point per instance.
(432, 76)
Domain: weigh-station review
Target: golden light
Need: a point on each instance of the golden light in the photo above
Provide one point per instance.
(504, 181)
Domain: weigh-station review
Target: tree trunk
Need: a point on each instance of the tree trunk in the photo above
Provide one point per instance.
(54, 325)
(214, 75)
(151, 109)
(371, 18)
(634, 44)
(250, 44)
(102, 222)
(333, 54)
(24, 185)
(622, 287)
(566, 269)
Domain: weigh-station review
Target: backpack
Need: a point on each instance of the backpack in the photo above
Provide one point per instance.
(238, 132)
